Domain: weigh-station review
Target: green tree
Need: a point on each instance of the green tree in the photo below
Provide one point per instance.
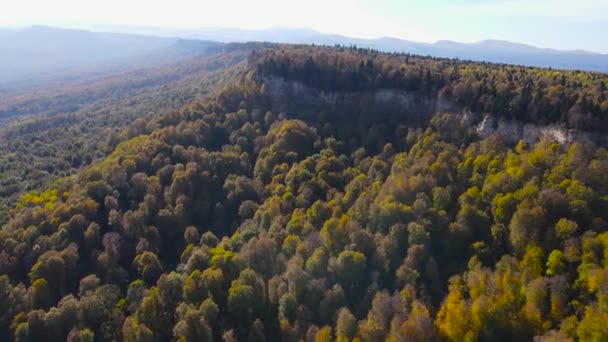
(555, 262)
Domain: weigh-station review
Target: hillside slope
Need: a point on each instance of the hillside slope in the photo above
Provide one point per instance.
(53, 131)
(38, 54)
(253, 215)
(356, 78)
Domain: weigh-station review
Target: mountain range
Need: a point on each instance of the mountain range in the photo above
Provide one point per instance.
(36, 54)
(39, 53)
(495, 51)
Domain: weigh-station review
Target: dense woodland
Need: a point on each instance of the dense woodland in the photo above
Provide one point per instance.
(54, 131)
(240, 219)
(573, 99)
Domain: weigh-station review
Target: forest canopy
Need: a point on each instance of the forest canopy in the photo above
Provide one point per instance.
(234, 219)
(574, 99)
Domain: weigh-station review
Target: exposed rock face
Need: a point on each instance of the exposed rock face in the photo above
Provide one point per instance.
(389, 98)
(485, 126)
(512, 131)
(530, 133)
(561, 135)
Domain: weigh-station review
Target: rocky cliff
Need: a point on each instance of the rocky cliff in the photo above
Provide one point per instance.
(412, 104)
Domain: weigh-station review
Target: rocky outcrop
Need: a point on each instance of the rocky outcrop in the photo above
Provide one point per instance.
(511, 131)
(385, 98)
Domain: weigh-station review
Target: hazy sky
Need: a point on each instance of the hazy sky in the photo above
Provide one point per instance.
(562, 24)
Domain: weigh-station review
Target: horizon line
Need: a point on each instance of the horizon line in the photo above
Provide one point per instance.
(99, 28)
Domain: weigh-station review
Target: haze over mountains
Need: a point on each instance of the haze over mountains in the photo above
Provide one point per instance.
(496, 51)
(40, 53)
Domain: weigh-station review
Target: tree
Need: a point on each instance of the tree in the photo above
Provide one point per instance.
(247, 297)
(191, 325)
(134, 331)
(419, 325)
(40, 294)
(51, 267)
(525, 227)
(335, 234)
(170, 287)
(555, 262)
(191, 235)
(324, 335)
(256, 332)
(213, 280)
(452, 319)
(346, 325)
(148, 266)
(317, 263)
(565, 228)
(287, 307)
(209, 310)
(84, 335)
(350, 268)
(88, 285)
(194, 288)
(241, 302)
(532, 263)
(332, 301)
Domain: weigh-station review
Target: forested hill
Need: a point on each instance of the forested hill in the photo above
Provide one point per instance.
(572, 99)
(252, 216)
(49, 132)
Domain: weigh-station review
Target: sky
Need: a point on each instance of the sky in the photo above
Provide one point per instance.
(559, 24)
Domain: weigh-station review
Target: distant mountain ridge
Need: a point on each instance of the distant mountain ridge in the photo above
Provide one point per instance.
(491, 50)
(38, 53)
(496, 51)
